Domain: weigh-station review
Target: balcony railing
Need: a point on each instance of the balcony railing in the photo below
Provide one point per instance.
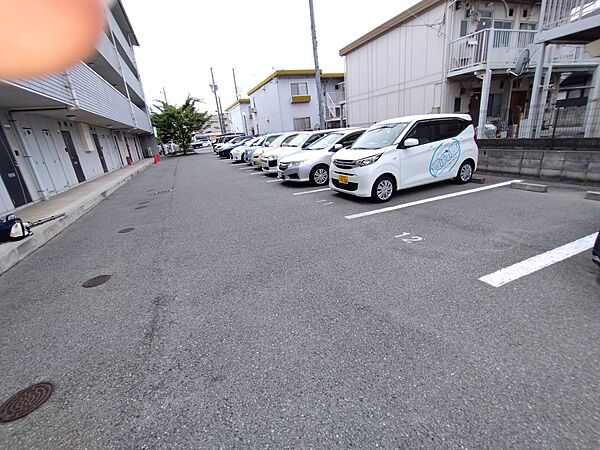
(565, 12)
(334, 106)
(473, 52)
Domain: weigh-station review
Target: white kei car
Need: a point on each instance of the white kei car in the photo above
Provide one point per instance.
(406, 152)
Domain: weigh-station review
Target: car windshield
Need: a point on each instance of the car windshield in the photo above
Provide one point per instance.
(259, 141)
(295, 141)
(325, 141)
(276, 141)
(379, 136)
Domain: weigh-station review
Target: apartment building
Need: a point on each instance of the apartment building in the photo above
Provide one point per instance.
(287, 101)
(70, 127)
(240, 117)
(213, 127)
(462, 56)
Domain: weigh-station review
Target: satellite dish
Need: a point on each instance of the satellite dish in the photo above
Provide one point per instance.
(521, 64)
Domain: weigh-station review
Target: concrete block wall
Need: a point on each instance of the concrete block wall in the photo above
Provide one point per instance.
(575, 165)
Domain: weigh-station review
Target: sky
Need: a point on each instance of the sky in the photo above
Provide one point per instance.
(180, 40)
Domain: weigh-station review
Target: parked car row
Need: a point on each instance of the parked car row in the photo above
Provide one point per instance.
(375, 162)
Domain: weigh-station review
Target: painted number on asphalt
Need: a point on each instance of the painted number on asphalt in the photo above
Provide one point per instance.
(409, 238)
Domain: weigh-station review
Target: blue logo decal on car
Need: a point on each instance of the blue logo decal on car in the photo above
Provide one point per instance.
(444, 158)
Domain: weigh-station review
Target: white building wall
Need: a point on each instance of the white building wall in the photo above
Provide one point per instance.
(236, 118)
(268, 109)
(289, 110)
(397, 74)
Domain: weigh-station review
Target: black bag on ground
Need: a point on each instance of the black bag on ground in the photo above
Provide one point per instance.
(13, 229)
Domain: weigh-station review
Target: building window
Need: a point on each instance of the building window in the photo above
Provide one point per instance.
(464, 26)
(299, 88)
(457, 104)
(494, 104)
(302, 124)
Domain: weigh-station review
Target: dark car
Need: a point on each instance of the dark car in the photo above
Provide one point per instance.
(596, 251)
(225, 151)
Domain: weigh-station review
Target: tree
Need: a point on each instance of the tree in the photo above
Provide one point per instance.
(177, 124)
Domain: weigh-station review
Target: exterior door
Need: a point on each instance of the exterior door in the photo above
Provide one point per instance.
(119, 151)
(128, 149)
(11, 175)
(100, 152)
(59, 174)
(37, 157)
(70, 149)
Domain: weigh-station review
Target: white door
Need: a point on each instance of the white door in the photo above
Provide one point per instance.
(38, 160)
(55, 164)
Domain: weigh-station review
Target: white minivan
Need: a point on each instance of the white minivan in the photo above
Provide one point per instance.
(406, 152)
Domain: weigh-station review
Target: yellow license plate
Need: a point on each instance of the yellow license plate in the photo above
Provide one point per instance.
(343, 179)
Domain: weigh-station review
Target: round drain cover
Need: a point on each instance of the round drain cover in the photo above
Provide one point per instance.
(26, 401)
(96, 281)
(141, 207)
(126, 230)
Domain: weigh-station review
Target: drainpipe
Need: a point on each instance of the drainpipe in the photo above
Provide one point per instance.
(27, 155)
(71, 87)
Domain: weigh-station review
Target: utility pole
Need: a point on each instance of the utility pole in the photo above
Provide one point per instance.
(237, 95)
(165, 94)
(222, 116)
(317, 70)
(214, 88)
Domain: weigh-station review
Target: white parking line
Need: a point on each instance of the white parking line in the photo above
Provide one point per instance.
(312, 192)
(258, 173)
(429, 200)
(246, 168)
(274, 181)
(538, 262)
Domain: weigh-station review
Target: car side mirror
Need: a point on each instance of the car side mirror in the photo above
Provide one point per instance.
(411, 142)
(337, 147)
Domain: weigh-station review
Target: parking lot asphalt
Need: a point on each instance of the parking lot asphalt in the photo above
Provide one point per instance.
(240, 314)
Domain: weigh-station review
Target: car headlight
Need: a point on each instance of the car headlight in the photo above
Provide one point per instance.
(294, 163)
(367, 161)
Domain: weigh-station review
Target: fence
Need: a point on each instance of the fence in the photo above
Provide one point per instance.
(575, 118)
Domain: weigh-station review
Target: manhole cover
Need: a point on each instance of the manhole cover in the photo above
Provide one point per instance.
(96, 281)
(141, 207)
(26, 401)
(126, 230)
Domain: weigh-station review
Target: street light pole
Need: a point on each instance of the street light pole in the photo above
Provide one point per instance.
(317, 70)
(213, 88)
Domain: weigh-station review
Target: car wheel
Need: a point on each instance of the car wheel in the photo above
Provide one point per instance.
(319, 176)
(465, 173)
(383, 189)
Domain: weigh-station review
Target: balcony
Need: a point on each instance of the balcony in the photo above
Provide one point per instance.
(570, 21)
(121, 38)
(334, 105)
(142, 119)
(473, 52)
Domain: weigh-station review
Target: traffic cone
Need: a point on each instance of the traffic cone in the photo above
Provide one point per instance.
(155, 159)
